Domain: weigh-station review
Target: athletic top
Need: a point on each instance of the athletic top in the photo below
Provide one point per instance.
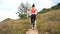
(33, 11)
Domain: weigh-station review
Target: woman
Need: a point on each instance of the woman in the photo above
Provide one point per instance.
(33, 13)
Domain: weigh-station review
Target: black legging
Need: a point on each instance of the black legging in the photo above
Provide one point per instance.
(33, 18)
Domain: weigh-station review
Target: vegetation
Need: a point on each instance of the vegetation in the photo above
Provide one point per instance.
(56, 6)
(19, 26)
(47, 22)
(44, 10)
(23, 10)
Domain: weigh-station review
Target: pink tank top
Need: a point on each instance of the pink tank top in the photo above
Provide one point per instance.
(33, 11)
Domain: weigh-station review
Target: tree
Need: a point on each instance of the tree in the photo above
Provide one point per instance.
(23, 10)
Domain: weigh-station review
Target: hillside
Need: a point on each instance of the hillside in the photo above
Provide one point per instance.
(19, 26)
(48, 22)
(55, 7)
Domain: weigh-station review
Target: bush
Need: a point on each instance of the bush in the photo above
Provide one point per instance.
(23, 15)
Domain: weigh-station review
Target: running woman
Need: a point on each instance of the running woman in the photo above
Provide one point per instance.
(33, 13)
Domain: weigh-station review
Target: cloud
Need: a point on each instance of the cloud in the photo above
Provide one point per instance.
(54, 2)
(8, 8)
(40, 4)
(9, 4)
(8, 14)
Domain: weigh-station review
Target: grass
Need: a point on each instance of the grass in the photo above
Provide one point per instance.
(14, 27)
(47, 22)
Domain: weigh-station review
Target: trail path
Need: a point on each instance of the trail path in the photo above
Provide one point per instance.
(31, 31)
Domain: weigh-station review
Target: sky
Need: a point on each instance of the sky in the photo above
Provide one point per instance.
(9, 8)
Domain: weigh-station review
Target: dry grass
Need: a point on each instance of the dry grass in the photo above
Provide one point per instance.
(49, 22)
(46, 23)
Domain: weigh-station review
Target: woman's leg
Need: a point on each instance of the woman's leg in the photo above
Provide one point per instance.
(34, 21)
(33, 18)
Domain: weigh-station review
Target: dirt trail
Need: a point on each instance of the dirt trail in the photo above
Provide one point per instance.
(30, 31)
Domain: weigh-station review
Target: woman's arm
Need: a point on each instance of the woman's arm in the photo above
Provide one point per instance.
(36, 12)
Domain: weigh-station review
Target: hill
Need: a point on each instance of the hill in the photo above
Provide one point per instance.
(46, 22)
(52, 8)
(19, 26)
(49, 22)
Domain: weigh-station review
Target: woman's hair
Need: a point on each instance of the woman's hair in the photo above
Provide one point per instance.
(33, 5)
